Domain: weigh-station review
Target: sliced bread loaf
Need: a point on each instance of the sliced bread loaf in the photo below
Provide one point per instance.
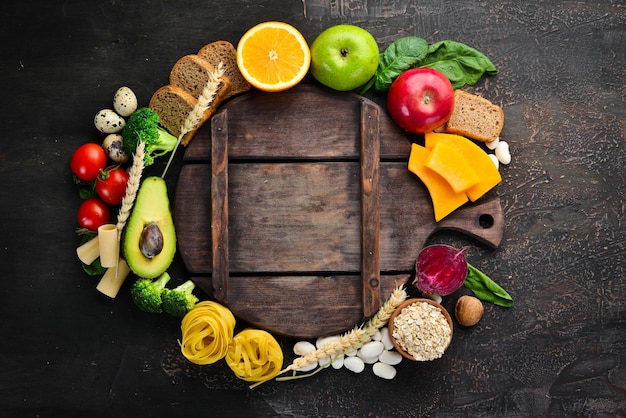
(173, 105)
(475, 117)
(224, 51)
(192, 74)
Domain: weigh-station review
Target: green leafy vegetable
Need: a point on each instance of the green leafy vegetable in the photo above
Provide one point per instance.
(486, 289)
(401, 55)
(460, 63)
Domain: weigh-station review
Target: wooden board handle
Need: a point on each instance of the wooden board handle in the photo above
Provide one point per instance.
(370, 207)
(483, 221)
(219, 205)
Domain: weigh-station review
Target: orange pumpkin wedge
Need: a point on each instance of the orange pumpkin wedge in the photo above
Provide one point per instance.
(445, 199)
(485, 169)
(445, 160)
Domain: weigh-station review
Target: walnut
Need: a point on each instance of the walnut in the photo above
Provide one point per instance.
(468, 310)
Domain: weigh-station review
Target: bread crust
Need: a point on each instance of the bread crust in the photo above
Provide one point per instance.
(475, 117)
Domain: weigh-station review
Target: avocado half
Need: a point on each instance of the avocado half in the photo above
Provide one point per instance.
(152, 206)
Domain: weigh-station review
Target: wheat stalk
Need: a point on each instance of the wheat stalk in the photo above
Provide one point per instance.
(352, 340)
(196, 114)
(132, 187)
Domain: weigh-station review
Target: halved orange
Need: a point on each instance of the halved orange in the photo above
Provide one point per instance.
(273, 56)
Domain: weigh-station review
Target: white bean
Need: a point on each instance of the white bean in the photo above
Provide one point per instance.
(354, 364)
(386, 340)
(390, 357)
(308, 368)
(322, 341)
(377, 336)
(502, 153)
(371, 350)
(302, 348)
(493, 144)
(338, 362)
(384, 370)
(495, 160)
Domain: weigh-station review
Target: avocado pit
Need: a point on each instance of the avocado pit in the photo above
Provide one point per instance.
(151, 240)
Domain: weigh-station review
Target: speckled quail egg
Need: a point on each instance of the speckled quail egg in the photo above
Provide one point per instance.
(113, 145)
(124, 101)
(109, 122)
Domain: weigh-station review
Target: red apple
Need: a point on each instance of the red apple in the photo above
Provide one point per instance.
(420, 100)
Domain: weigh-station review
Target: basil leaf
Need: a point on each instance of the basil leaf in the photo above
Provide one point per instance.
(486, 289)
(400, 56)
(460, 63)
(94, 269)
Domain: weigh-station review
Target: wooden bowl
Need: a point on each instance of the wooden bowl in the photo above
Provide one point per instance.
(399, 309)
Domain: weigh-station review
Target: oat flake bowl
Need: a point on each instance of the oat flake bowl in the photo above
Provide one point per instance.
(420, 329)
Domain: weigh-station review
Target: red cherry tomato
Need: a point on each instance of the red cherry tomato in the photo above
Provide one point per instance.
(93, 213)
(87, 161)
(111, 185)
(420, 100)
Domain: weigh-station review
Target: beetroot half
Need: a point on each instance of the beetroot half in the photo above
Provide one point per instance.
(440, 269)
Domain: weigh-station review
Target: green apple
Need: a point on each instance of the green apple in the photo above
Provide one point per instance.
(344, 57)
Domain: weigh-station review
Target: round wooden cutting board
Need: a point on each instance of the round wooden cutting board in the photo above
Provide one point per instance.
(297, 211)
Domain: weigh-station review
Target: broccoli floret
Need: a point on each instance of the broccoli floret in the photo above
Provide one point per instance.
(146, 293)
(179, 301)
(143, 125)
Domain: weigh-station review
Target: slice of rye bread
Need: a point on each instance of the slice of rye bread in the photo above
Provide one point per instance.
(173, 105)
(475, 117)
(192, 74)
(224, 51)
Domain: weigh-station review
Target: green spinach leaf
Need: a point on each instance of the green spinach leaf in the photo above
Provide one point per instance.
(462, 64)
(400, 56)
(486, 289)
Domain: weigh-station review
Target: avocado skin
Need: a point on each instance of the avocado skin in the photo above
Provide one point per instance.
(151, 205)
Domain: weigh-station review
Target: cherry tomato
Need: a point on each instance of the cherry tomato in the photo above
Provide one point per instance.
(111, 185)
(420, 100)
(93, 213)
(87, 161)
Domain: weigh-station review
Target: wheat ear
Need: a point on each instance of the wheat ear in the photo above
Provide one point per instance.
(132, 187)
(196, 114)
(355, 339)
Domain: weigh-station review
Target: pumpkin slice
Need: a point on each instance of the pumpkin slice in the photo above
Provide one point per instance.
(445, 160)
(488, 173)
(445, 199)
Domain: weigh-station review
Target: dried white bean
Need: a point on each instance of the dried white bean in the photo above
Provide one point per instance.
(495, 160)
(390, 357)
(384, 371)
(371, 350)
(338, 363)
(324, 362)
(377, 336)
(386, 340)
(502, 153)
(351, 352)
(308, 368)
(354, 364)
(493, 144)
(369, 360)
(302, 348)
(322, 341)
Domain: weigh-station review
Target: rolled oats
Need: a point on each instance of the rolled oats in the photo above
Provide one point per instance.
(422, 330)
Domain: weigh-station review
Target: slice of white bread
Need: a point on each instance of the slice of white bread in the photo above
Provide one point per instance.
(224, 51)
(173, 105)
(475, 117)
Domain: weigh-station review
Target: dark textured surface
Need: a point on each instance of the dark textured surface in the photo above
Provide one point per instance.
(67, 351)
